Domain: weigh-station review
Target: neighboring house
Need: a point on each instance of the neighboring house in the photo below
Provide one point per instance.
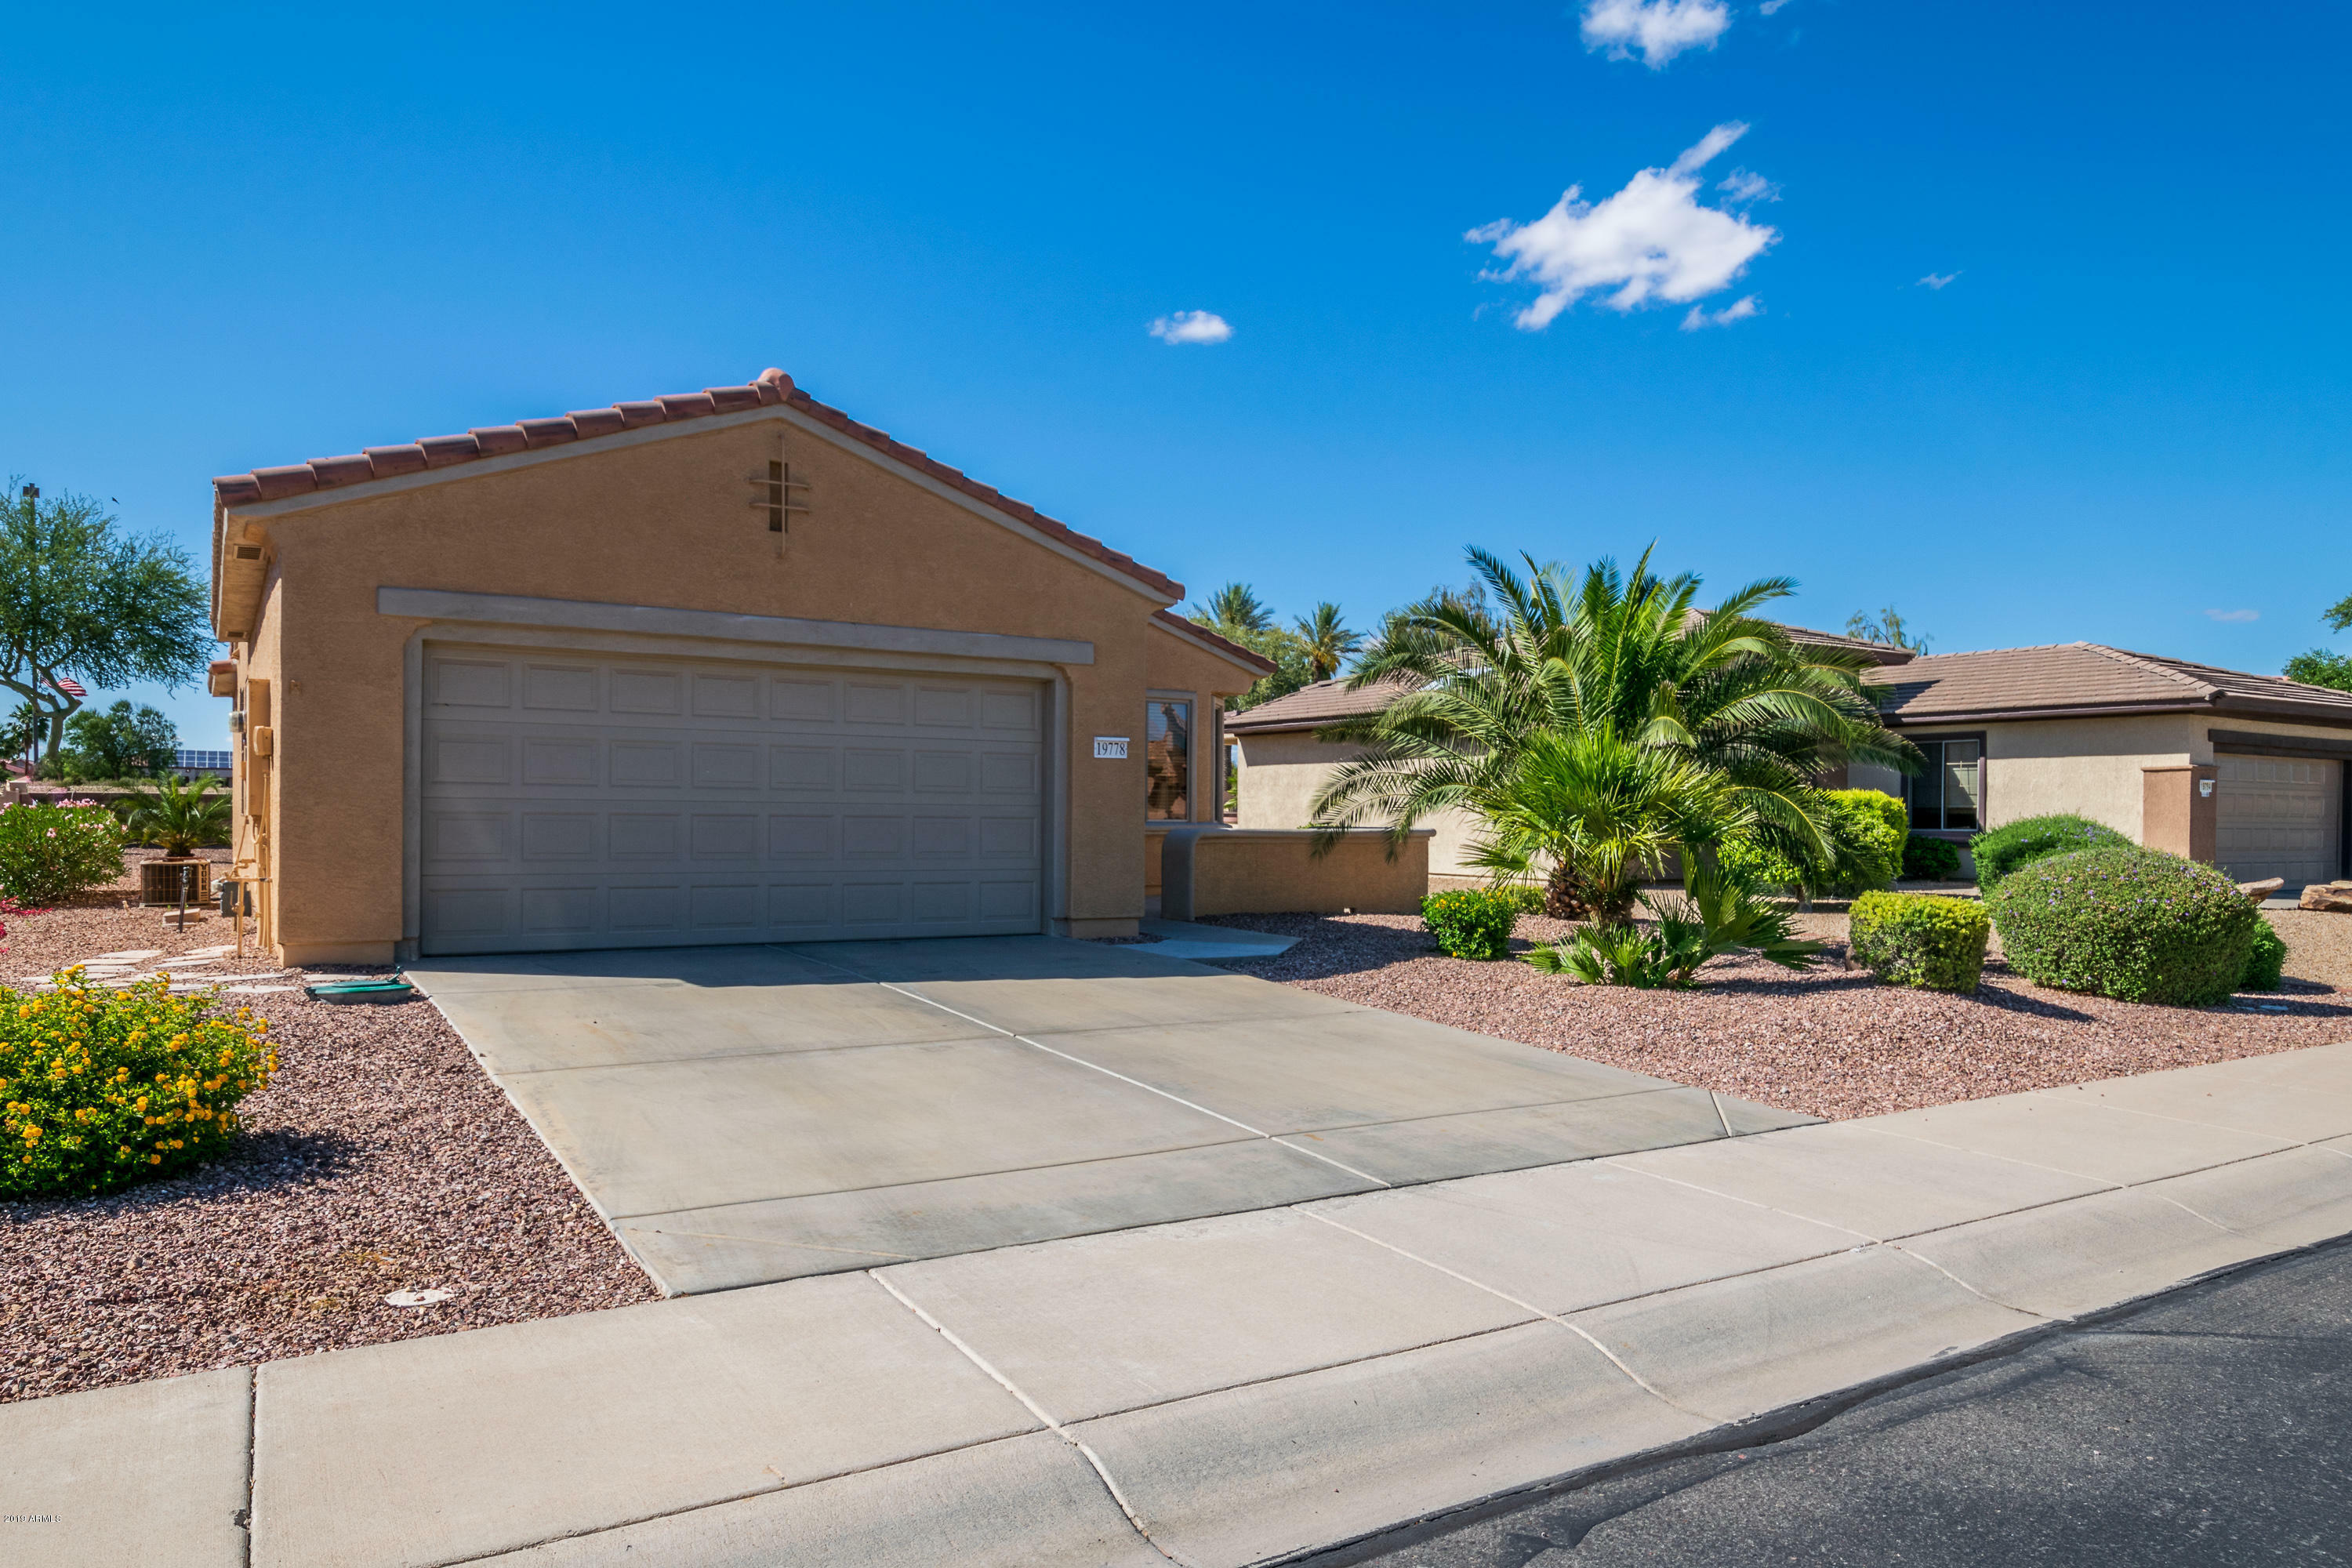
(1282, 763)
(725, 667)
(2245, 770)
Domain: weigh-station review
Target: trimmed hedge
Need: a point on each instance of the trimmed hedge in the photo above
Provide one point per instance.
(2265, 961)
(2135, 924)
(2030, 839)
(101, 1087)
(1926, 860)
(1922, 939)
(1866, 828)
(1470, 923)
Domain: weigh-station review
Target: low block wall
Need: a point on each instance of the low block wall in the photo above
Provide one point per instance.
(1207, 869)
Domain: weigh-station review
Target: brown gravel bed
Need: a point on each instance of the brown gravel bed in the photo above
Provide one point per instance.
(381, 1158)
(1832, 1043)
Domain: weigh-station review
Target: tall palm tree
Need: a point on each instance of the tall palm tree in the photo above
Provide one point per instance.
(1236, 608)
(1630, 657)
(1327, 639)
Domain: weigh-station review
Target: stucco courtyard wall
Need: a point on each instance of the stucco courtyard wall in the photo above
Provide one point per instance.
(1279, 773)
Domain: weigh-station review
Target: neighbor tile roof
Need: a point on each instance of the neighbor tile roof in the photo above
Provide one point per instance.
(1324, 702)
(774, 387)
(2083, 678)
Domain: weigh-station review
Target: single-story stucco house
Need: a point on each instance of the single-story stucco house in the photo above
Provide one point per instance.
(2247, 772)
(724, 667)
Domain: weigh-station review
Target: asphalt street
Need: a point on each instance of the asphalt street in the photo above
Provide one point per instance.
(2212, 1427)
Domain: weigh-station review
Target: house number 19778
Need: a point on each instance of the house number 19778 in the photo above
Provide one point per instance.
(1112, 746)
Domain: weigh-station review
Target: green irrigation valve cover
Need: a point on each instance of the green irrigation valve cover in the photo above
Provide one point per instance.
(360, 990)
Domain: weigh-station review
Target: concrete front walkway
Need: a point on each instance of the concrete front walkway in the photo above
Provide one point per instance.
(1217, 1391)
(749, 1114)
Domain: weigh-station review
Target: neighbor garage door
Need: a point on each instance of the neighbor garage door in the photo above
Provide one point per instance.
(2278, 816)
(598, 802)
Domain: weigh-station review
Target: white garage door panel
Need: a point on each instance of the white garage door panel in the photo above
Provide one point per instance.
(2278, 816)
(605, 803)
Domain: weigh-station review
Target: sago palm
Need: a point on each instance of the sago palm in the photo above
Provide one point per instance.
(1633, 658)
(178, 817)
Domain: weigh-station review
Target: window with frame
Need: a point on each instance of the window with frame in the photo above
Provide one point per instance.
(1948, 795)
(1167, 760)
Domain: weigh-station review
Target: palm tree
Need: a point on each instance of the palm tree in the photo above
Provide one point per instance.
(1633, 658)
(1327, 639)
(178, 817)
(1235, 609)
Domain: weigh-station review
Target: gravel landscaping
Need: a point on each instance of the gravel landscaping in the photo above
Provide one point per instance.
(1833, 1042)
(381, 1159)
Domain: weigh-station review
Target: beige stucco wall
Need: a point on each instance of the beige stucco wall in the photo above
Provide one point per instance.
(662, 522)
(1216, 870)
(2090, 767)
(1280, 773)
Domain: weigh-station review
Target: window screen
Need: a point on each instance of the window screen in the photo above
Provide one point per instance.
(1946, 794)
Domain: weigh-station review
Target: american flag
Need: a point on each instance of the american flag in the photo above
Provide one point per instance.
(68, 685)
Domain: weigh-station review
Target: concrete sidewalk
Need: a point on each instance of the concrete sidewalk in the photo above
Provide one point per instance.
(1220, 1391)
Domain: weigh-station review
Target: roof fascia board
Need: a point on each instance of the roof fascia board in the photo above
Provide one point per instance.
(262, 511)
(1255, 672)
(2246, 740)
(655, 620)
(1897, 719)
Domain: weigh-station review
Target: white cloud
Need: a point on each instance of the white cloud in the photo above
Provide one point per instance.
(1652, 243)
(1739, 309)
(2235, 614)
(1938, 280)
(1769, 6)
(1191, 327)
(1660, 29)
(1743, 185)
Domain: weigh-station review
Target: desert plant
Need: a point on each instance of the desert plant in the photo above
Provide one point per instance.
(1926, 860)
(2030, 839)
(101, 1087)
(2265, 960)
(1470, 922)
(1599, 813)
(49, 853)
(1862, 847)
(1632, 657)
(1716, 914)
(1921, 939)
(177, 818)
(1525, 898)
(2131, 924)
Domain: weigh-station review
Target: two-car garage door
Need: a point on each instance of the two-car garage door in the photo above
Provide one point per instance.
(2278, 816)
(593, 801)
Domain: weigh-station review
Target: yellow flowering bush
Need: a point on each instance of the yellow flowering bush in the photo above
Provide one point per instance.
(101, 1087)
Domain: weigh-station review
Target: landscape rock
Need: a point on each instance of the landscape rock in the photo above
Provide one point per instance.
(2258, 891)
(2331, 897)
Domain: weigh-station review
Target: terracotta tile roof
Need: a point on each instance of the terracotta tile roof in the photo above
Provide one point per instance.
(2081, 678)
(1311, 706)
(774, 387)
(1194, 629)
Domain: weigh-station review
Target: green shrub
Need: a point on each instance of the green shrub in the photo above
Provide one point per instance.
(2131, 924)
(1716, 914)
(1921, 938)
(1470, 923)
(2265, 961)
(99, 1087)
(1866, 831)
(1926, 860)
(2028, 840)
(49, 853)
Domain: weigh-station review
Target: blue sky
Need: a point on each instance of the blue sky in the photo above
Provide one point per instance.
(247, 238)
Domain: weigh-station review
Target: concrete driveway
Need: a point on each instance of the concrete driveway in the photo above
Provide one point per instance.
(749, 1114)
